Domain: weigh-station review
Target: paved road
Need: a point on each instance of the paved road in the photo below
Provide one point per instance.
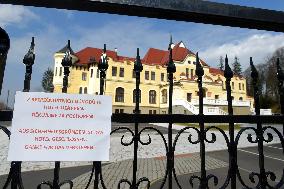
(32, 178)
(247, 161)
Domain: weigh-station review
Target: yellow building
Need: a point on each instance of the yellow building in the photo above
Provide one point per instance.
(120, 82)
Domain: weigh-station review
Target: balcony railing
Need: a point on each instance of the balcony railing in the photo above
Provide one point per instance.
(220, 102)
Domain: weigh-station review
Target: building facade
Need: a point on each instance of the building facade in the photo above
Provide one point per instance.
(120, 82)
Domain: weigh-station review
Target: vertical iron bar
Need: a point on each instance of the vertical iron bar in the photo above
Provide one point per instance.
(259, 131)
(66, 63)
(14, 181)
(135, 140)
(28, 60)
(232, 146)
(280, 77)
(65, 80)
(4, 48)
(97, 174)
(56, 175)
(27, 79)
(103, 66)
(170, 156)
(102, 81)
(137, 68)
(16, 176)
(200, 72)
(3, 59)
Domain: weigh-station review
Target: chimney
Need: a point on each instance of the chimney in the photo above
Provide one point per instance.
(115, 50)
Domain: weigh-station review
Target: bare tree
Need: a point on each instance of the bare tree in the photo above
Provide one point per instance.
(268, 83)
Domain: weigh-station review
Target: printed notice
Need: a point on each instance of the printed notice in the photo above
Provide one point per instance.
(60, 127)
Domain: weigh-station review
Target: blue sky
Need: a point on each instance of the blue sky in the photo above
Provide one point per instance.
(52, 28)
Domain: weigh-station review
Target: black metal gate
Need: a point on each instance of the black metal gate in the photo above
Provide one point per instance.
(263, 133)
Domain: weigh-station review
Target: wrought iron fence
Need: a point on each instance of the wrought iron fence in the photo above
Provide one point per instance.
(205, 136)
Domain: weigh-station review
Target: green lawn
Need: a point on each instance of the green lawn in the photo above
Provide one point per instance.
(224, 127)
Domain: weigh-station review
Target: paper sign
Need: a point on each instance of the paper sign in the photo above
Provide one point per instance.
(60, 127)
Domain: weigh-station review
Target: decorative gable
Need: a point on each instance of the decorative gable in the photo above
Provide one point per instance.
(207, 79)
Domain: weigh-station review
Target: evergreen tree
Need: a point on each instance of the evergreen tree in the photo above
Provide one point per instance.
(237, 69)
(47, 80)
(221, 63)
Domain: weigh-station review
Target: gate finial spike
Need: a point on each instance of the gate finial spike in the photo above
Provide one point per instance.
(171, 66)
(137, 64)
(67, 59)
(104, 48)
(254, 73)
(103, 62)
(29, 58)
(197, 60)
(137, 55)
(33, 41)
(171, 42)
(228, 73)
(199, 69)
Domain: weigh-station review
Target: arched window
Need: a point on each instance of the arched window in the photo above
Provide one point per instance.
(164, 96)
(134, 96)
(80, 90)
(85, 90)
(152, 97)
(241, 98)
(119, 94)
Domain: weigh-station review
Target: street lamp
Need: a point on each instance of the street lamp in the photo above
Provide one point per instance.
(4, 48)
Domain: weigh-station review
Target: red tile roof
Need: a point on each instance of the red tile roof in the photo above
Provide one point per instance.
(152, 57)
(180, 53)
(161, 57)
(216, 71)
(85, 54)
